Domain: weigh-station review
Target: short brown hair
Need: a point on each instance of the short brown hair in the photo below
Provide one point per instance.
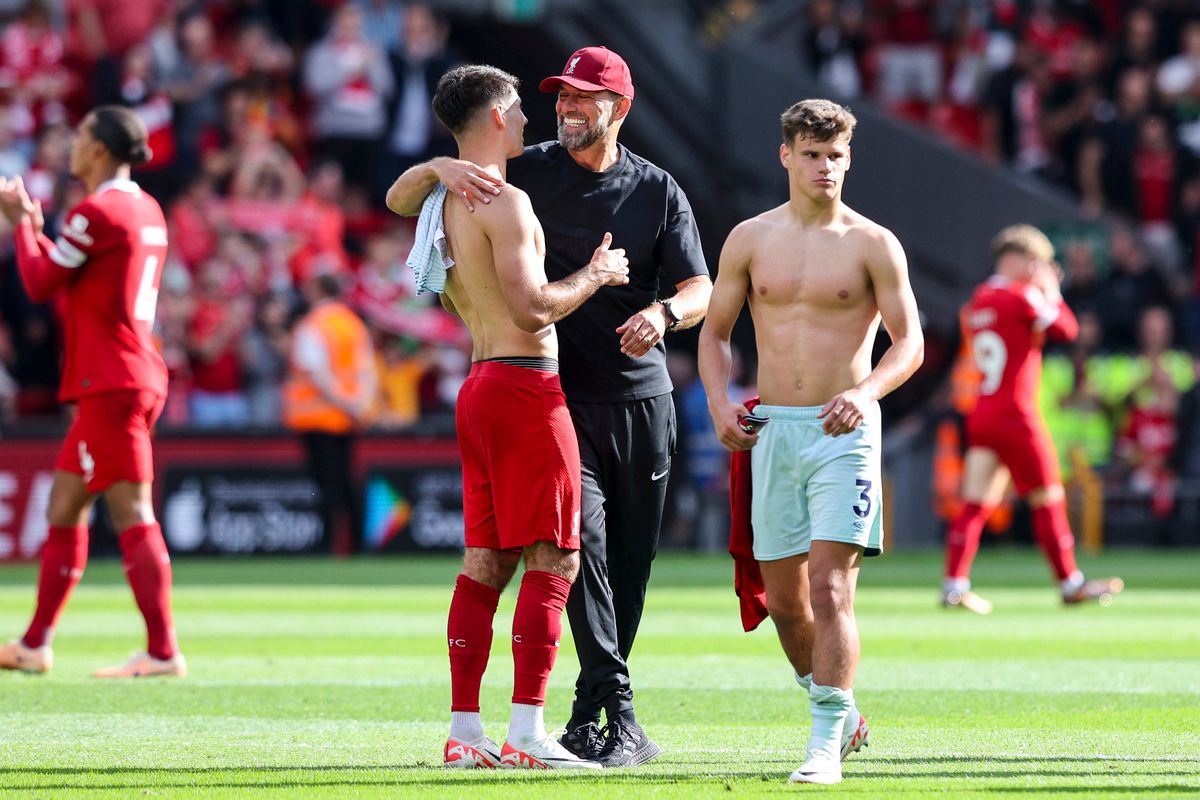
(463, 91)
(819, 120)
(1024, 239)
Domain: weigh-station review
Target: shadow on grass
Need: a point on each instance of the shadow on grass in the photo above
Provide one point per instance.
(678, 772)
(1037, 759)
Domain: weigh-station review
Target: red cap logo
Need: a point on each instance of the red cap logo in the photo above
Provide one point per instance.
(592, 69)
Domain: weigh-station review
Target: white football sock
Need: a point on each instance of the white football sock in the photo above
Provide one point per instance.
(465, 726)
(805, 681)
(527, 724)
(830, 705)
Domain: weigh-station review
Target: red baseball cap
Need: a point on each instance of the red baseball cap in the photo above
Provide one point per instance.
(592, 69)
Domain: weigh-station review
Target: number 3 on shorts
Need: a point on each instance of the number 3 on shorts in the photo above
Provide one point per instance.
(866, 498)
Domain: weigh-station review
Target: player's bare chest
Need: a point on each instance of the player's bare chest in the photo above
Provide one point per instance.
(787, 271)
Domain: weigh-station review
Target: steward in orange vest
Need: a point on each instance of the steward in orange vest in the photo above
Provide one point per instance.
(331, 383)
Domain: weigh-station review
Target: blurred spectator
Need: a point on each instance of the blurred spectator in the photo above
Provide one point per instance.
(1118, 138)
(413, 133)
(833, 42)
(222, 316)
(176, 306)
(1013, 114)
(1178, 75)
(1156, 174)
(1131, 286)
(1188, 226)
(35, 363)
(910, 60)
(265, 352)
(13, 158)
(1185, 459)
(1138, 48)
(1080, 283)
(192, 221)
(195, 83)
(448, 364)
(320, 221)
(1070, 398)
(350, 83)
(1147, 438)
(958, 118)
(330, 391)
(383, 23)
(1147, 442)
(265, 170)
(1072, 107)
(32, 72)
(401, 364)
(384, 288)
(257, 53)
(1053, 33)
(110, 27)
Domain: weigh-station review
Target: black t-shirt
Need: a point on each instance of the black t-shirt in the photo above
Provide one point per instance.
(649, 215)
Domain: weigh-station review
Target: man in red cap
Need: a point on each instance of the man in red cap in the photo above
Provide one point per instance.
(612, 362)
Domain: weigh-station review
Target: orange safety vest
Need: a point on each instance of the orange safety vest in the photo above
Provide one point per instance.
(348, 345)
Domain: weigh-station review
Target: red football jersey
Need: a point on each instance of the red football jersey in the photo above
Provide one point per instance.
(112, 245)
(1006, 324)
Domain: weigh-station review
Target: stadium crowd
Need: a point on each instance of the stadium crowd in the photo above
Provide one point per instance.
(272, 171)
(275, 129)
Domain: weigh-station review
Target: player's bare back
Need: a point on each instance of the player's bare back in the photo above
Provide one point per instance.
(813, 305)
(473, 282)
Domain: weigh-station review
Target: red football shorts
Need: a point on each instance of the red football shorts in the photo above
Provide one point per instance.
(109, 440)
(520, 459)
(1023, 445)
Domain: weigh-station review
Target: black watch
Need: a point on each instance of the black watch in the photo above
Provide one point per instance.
(673, 319)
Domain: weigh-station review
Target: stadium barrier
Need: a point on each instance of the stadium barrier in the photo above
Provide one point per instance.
(238, 495)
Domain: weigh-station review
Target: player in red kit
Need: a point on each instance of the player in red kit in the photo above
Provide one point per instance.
(1006, 324)
(107, 259)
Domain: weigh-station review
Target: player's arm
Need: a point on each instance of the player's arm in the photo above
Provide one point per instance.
(679, 257)
(463, 179)
(690, 300)
(368, 380)
(898, 308)
(534, 303)
(45, 267)
(716, 356)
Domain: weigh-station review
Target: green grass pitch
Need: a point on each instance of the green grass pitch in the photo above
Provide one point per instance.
(314, 678)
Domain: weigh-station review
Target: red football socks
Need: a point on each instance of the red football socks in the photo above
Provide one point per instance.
(469, 630)
(64, 555)
(537, 626)
(148, 570)
(1052, 532)
(962, 541)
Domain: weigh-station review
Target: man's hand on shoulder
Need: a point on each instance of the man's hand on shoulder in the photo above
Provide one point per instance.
(845, 412)
(467, 181)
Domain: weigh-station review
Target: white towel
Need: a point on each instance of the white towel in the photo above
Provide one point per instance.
(429, 257)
